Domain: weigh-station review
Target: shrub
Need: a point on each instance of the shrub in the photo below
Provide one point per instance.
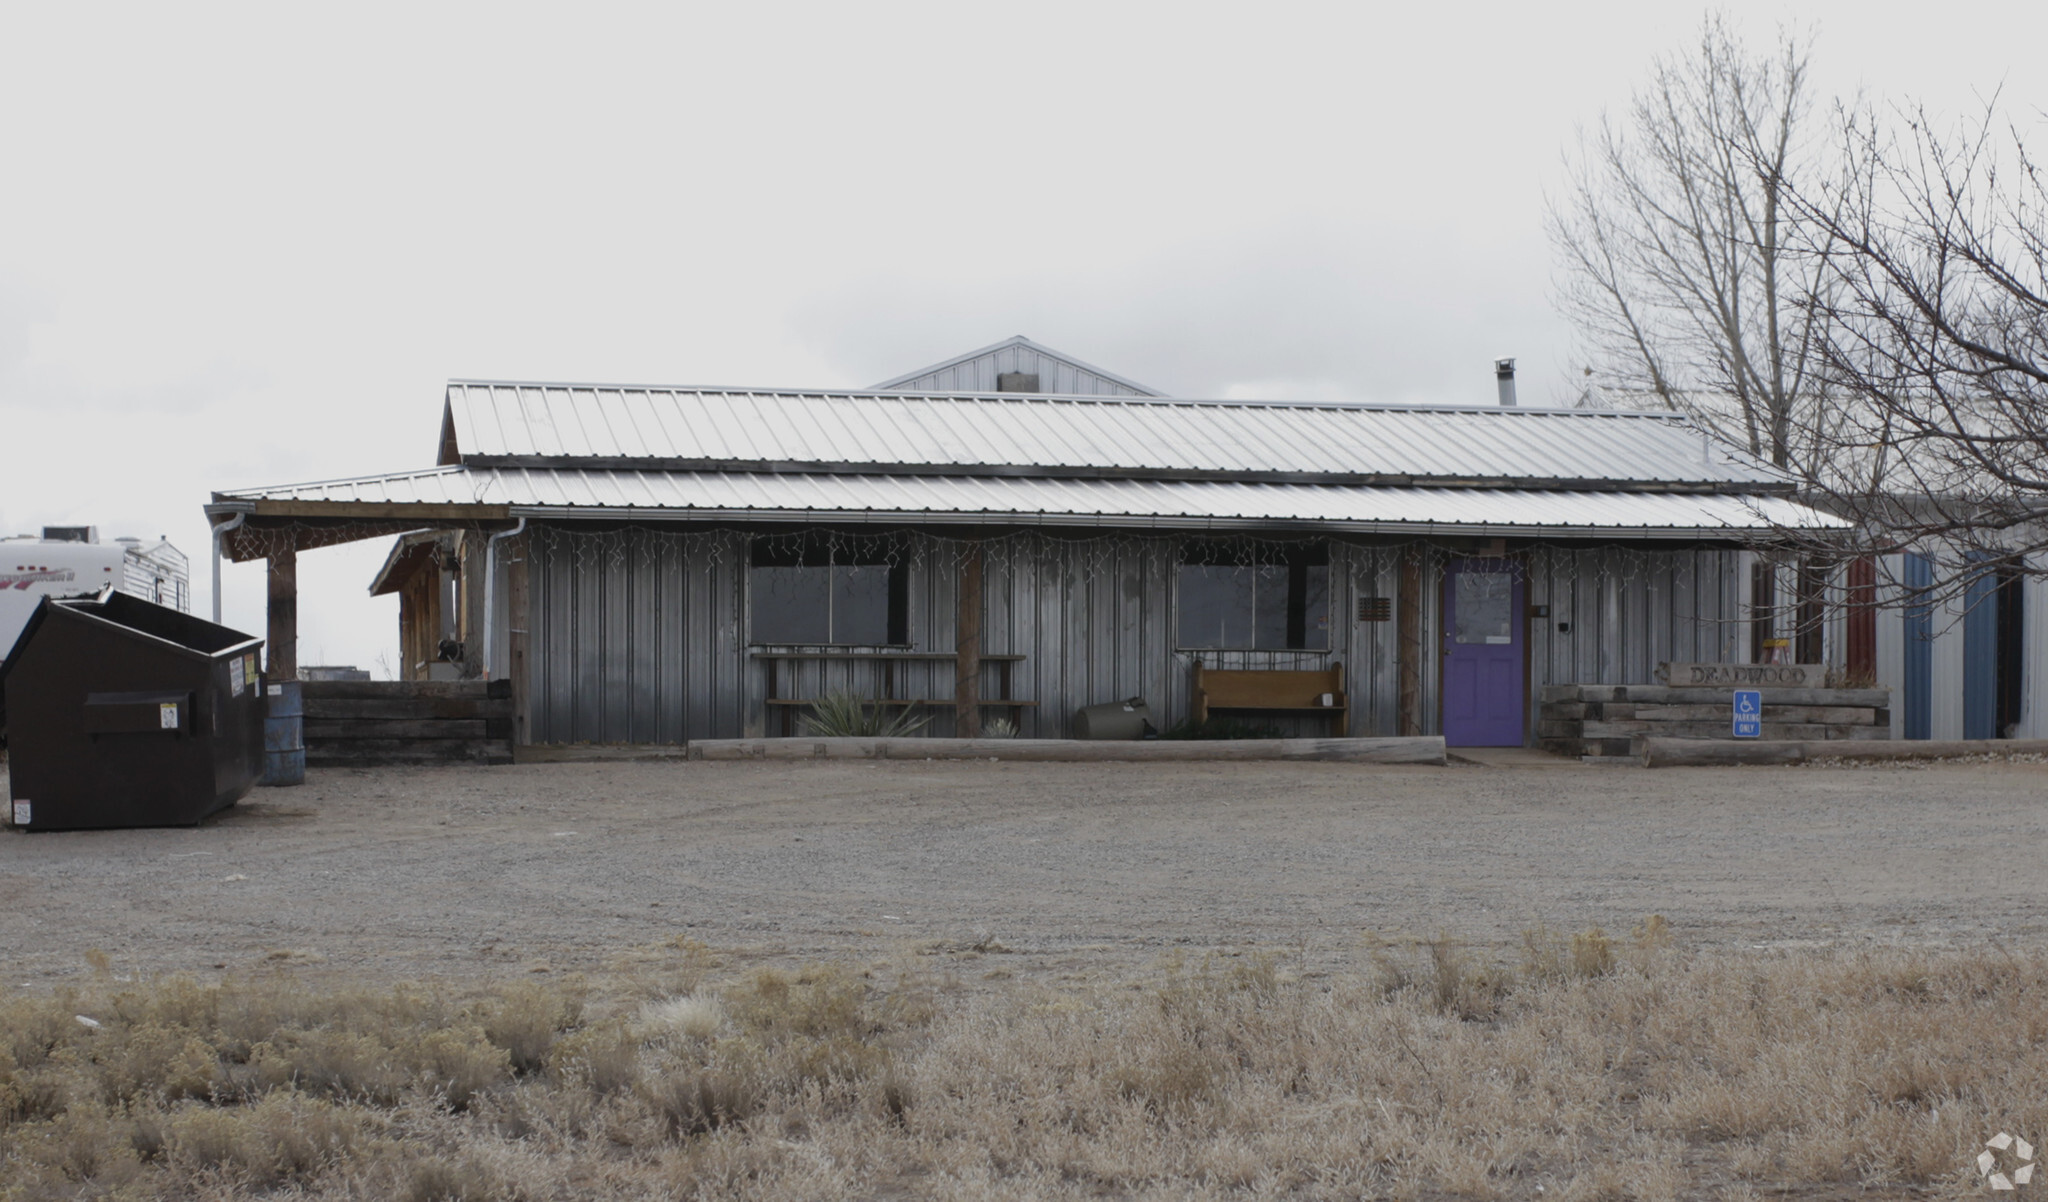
(601, 1058)
(1592, 953)
(845, 716)
(692, 1102)
(692, 1017)
(526, 1020)
(459, 1063)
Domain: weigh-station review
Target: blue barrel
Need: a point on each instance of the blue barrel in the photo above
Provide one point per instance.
(284, 734)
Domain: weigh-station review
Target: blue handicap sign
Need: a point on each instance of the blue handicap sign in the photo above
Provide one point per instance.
(1749, 714)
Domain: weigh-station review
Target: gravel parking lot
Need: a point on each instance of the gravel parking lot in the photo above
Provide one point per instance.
(455, 872)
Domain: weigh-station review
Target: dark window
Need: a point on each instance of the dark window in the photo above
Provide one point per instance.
(1245, 595)
(813, 590)
(2012, 646)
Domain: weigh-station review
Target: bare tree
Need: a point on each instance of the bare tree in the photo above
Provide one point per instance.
(1934, 307)
(1679, 266)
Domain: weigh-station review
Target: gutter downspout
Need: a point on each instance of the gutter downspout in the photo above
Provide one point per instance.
(491, 593)
(218, 531)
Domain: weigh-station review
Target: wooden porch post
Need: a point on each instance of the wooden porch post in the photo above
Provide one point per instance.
(518, 595)
(1408, 640)
(284, 608)
(470, 621)
(967, 626)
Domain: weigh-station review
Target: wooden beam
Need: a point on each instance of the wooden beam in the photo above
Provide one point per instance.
(967, 631)
(470, 621)
(254, 540)
(518, 607)
(284, 613)
(1408, 645)
(1429, 750)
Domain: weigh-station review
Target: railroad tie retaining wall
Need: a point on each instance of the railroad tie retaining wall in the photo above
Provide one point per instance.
(1607, 719)
(352, 723)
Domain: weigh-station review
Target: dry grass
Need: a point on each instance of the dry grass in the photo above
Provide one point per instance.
(1595, 1067)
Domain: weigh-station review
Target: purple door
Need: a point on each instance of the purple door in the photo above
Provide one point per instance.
(1483, 632)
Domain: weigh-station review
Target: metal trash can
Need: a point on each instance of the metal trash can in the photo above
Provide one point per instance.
(126, 713)
(1127, 719)
(284, 734)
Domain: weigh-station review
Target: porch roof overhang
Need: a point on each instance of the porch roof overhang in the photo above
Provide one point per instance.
(409, 555)
(499, 495)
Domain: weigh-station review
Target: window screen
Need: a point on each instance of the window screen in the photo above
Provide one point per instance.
(1234, 595)
(809, 590)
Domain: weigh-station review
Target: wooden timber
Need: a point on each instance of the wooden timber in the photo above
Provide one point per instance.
(1408, 645)
(1672, 753)
(967, 644)
(518, 619)
(1610, 720)
(1657, 694)
(282, 614)
(364, 722)
(1420, 750)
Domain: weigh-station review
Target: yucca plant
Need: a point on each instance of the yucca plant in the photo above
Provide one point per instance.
(845, 716)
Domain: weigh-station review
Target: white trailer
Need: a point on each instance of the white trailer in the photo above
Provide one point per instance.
(71, 561)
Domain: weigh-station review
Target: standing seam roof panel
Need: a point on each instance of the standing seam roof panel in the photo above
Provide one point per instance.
(1092, 434)
(796, 496)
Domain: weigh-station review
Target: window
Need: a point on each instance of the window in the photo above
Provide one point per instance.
(811, 590)
(1240, 595)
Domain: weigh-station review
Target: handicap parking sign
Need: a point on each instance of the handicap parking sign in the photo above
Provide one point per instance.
(1749, 714)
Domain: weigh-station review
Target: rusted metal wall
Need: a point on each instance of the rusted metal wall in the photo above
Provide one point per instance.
(639, 636)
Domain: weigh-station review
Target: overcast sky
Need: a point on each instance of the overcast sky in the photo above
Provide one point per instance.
(247, 244)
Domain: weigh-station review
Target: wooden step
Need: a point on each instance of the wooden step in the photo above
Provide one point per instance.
(1792, 731)
(397, 690)
(322, 731)
(363, 753)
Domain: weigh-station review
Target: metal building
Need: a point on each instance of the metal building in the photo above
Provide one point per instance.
(650, 565)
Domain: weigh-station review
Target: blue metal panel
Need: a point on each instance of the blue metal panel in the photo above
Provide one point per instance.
(1918, 684)
(1980, 654)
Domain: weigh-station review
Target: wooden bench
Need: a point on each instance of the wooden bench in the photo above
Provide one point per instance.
(1273, 690)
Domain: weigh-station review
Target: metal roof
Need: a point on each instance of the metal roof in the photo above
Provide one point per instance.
(1006, 434)
(1166, 504)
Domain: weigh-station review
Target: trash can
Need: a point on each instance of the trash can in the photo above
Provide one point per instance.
(1127, 719)
(126, 713)
(284, 734)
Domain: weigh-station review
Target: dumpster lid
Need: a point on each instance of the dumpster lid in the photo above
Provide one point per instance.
(136, 618)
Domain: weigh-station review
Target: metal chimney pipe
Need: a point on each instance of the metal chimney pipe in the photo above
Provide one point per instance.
(1504, 375)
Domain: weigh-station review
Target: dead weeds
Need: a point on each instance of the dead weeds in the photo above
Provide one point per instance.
(1597, 1066)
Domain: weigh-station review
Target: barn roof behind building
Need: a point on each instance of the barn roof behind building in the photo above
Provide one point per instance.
(501, 424)
(980, 371)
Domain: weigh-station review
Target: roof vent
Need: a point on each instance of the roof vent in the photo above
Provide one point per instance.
(1017, 381)
(71, 534)
(1504, 375)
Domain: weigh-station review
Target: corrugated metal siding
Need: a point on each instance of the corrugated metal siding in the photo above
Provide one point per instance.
(494, 421)
(638, 635)
(1629, 610)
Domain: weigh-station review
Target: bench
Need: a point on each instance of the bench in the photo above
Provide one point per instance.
(1272, 690)
(779, 701)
